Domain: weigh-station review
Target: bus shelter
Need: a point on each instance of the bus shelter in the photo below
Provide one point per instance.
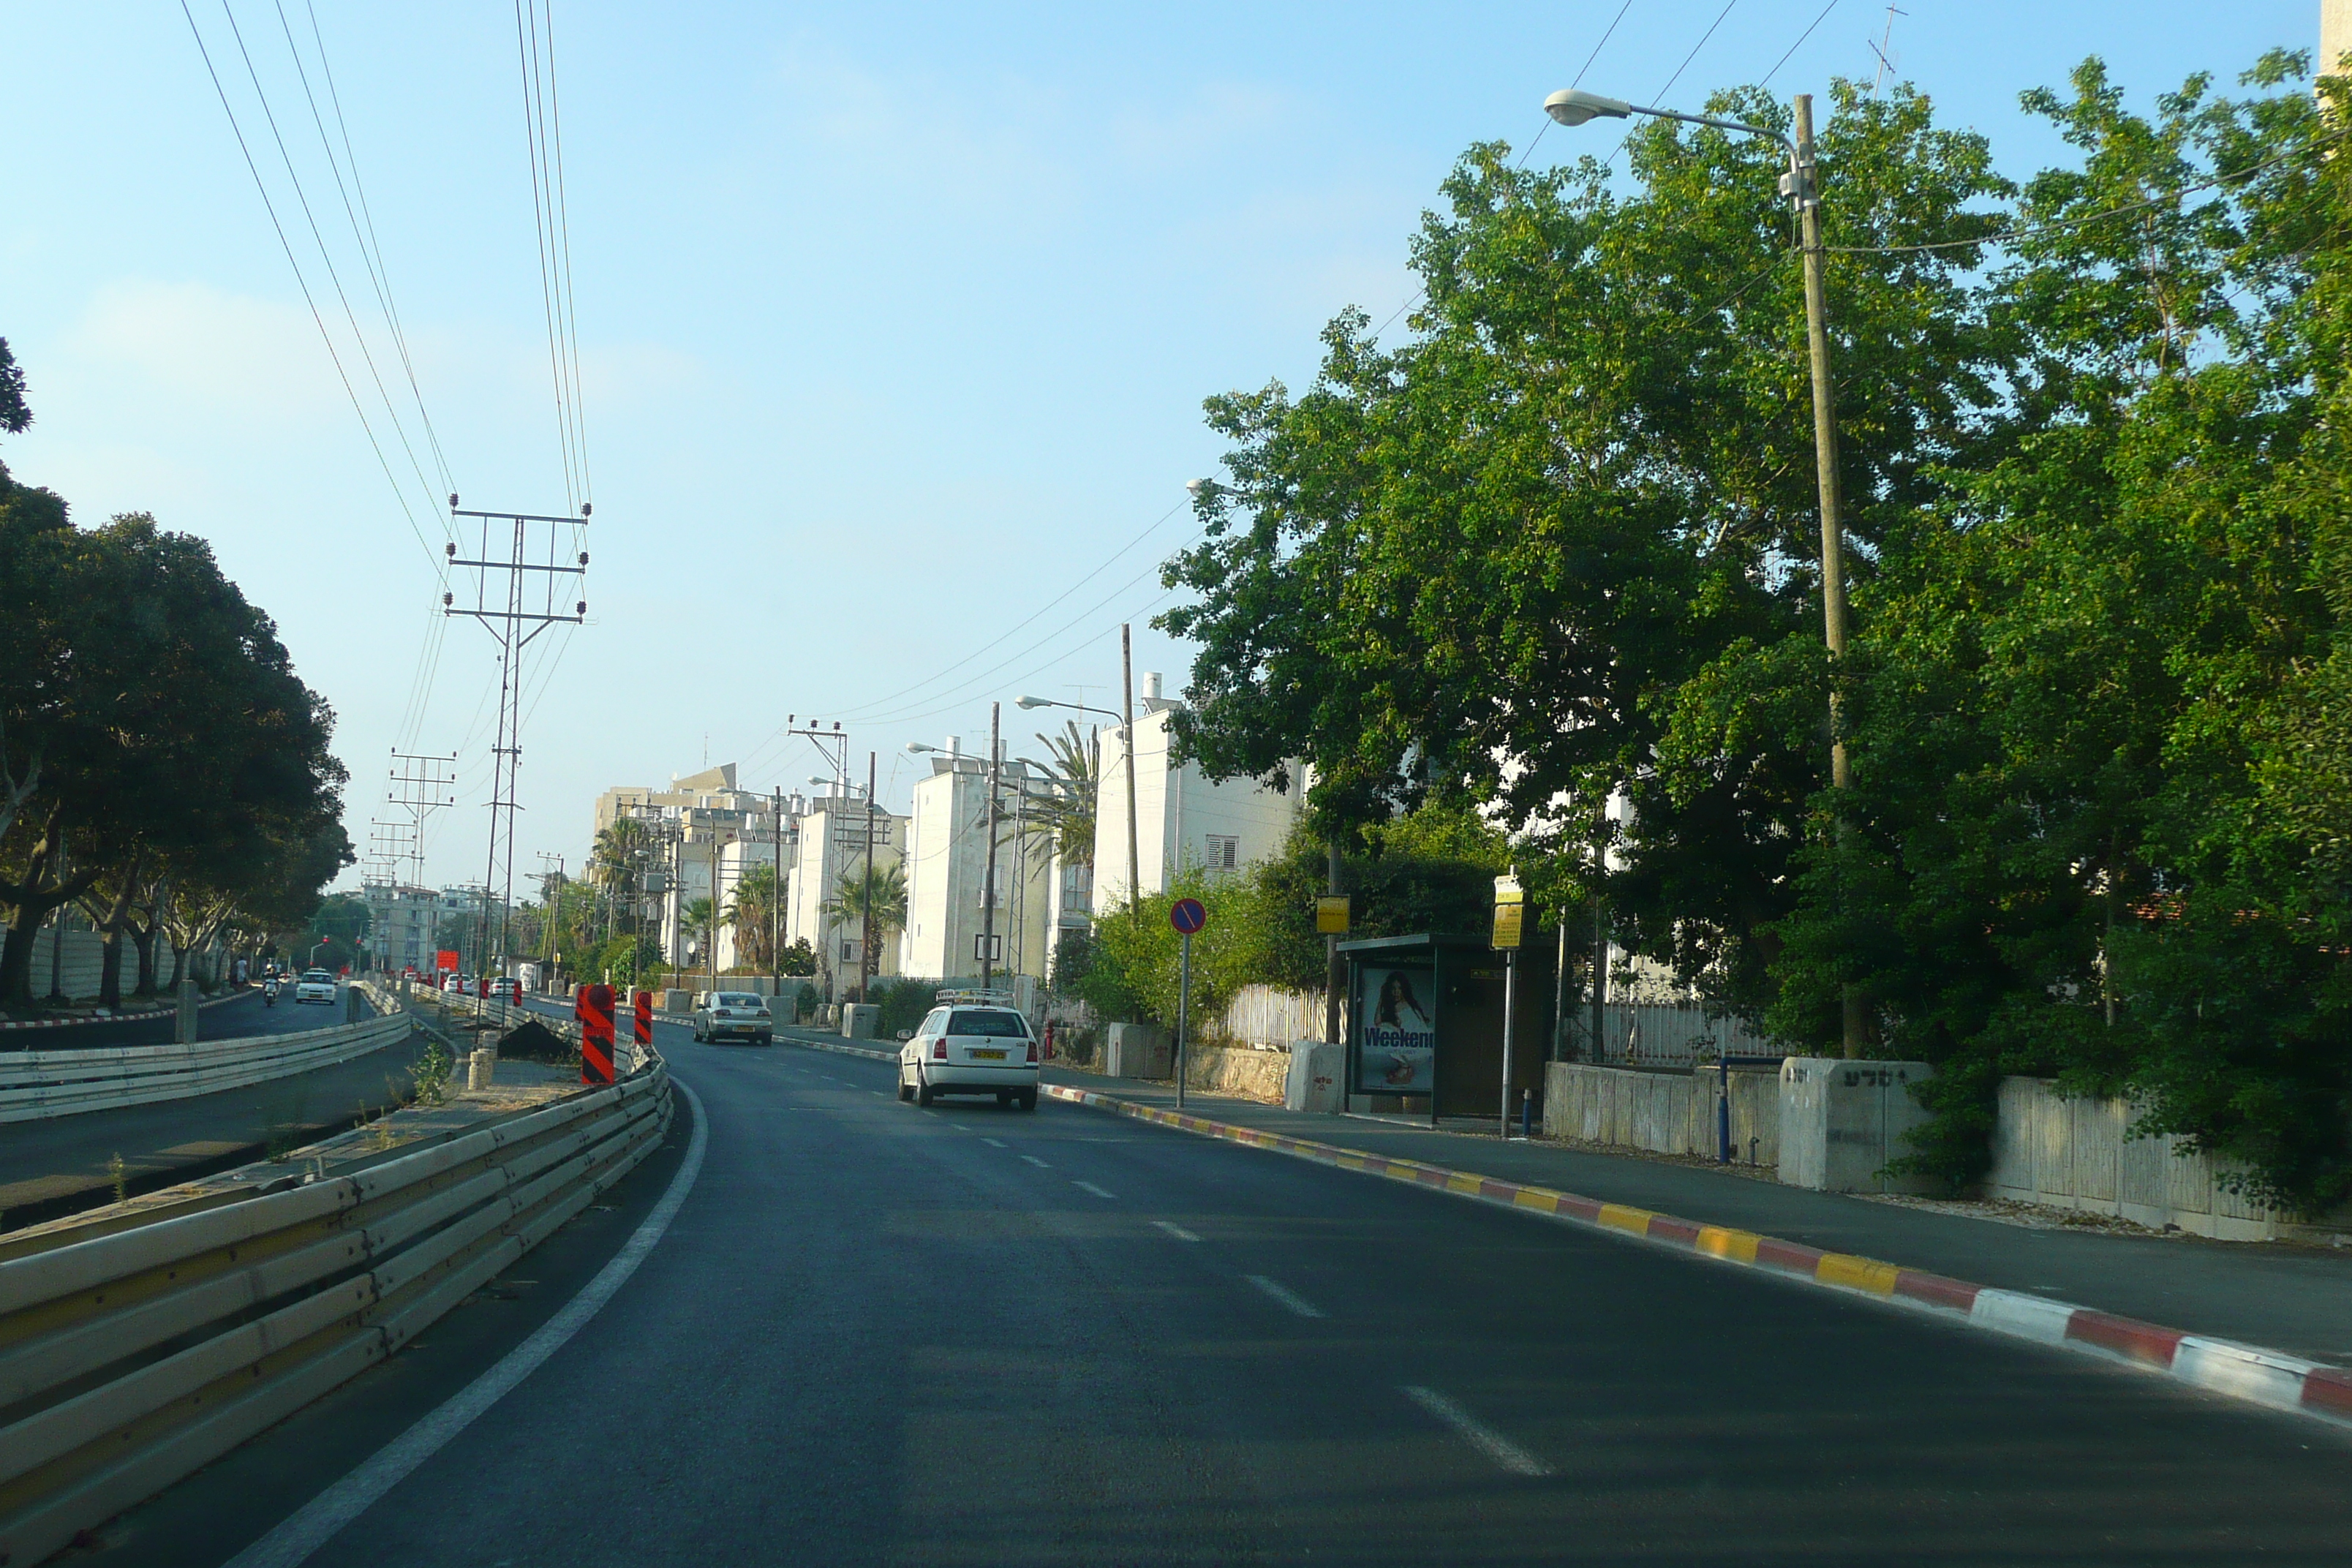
(1426, 1025)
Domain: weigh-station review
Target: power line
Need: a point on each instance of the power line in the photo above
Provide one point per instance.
(1799, 44)
(373, 248)
(260, 188)
(326, 257)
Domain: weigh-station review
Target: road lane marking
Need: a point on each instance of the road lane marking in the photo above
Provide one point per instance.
(1177, 1231)
(1290, 1299)
(991, 1142)
(874, 1092)
(1483, 1438)
(318, 1521)
(1090, 1187)
(1037, 1162)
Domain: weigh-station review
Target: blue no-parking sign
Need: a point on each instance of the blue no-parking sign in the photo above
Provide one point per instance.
(1188, 915)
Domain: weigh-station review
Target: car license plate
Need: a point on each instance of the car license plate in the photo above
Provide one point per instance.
(987, 1054)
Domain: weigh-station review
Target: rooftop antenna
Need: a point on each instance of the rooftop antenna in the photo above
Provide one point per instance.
(1885, 62)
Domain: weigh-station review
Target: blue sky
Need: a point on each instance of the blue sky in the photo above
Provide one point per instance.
(894, 320)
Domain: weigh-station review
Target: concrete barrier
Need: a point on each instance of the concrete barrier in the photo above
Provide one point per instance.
(1315, 1080)
(1841, 1121)
(1138, 1050)
(860, 1020)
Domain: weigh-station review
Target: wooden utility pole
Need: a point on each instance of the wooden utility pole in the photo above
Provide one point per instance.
(1127, 712)
(865, 924)
(1855, 1026)
(987, 883)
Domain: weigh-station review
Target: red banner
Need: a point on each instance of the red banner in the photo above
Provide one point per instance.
(446, 961)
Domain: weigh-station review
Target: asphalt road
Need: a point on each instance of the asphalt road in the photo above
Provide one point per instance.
(241, 1018)
(969, 1335)
(63, 1164)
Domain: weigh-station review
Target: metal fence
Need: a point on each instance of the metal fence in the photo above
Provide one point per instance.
(129, 1359)
(1662, 1034)
(35, 1085)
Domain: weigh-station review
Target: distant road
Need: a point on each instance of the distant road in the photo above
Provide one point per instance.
(64, 1164)
(241, 1019)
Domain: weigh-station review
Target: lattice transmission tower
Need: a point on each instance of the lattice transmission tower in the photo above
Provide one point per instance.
(513, 612)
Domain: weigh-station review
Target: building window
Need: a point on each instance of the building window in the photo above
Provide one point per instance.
(849, 950)
(1225, 851)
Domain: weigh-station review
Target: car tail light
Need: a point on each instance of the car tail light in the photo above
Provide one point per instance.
(939, 1049)
(1033, 1053)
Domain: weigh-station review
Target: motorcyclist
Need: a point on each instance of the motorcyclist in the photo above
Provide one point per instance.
(269, 992)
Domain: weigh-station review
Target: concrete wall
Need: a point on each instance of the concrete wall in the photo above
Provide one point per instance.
(2079, 1154)
(1243, 1073)
(1843, 1121)
(1665, 1112)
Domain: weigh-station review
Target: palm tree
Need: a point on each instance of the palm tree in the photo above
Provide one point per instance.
(617, 858)
(699, 920)
(848, 904)
(1068, 813)
(751, 913)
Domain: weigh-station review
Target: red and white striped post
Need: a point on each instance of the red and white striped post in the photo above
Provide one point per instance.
(596, 1034)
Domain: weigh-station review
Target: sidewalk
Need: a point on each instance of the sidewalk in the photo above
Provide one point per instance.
(2291, 1298)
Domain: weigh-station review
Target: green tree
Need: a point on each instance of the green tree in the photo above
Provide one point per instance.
(1066, 812)
(752, 912)
(848, 903)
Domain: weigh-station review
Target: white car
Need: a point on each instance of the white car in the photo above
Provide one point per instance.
(737, 1014)
(971, 1047)
(315, 985)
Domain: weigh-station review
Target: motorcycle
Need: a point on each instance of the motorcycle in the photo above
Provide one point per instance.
(269, 994)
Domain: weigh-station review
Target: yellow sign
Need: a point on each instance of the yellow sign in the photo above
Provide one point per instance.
(1510, 905)
(1331, 916)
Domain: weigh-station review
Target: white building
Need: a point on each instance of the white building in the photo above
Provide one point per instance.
(1182, 819)
(400, 925)
(947, 872)
(831, 842)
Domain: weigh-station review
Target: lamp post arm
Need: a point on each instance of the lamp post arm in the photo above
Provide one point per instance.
(1766, 131)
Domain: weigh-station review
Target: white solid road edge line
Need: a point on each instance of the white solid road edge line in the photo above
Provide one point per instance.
(1483, 1438)
(319, 1521)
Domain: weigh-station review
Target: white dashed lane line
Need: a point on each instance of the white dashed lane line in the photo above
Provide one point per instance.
(1090, 1187)
(1481, 1436)
(1177, 1231)
(991, 1142)
(1037, 1162)
(1291, 1300)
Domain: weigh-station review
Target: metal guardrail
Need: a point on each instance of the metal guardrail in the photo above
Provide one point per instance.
(38, 1084)
(130, 1360)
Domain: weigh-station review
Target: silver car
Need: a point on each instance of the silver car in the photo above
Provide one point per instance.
(734, 1015)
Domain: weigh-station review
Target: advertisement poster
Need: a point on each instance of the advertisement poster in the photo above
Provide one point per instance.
(1399, 1040)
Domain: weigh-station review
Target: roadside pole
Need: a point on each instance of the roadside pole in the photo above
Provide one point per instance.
(1183, 1008)
(775, 906)
(987, 884)
(1510, 908)
(1187, 915)
(1127, 713)
(866, 920)
(1332, 919)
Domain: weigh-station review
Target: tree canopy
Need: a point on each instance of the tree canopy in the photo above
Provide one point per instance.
(1556, 548)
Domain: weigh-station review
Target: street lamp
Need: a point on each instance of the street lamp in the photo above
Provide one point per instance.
(1571, 107)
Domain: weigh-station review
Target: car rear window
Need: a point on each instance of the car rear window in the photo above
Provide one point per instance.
(974, 1021)
(736, 999)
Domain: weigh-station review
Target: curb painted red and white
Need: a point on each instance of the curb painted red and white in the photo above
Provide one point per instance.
(2268, 1377)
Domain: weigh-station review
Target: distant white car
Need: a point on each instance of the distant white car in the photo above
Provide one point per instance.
(315, 985)
(506, 988)
(971, 1048)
